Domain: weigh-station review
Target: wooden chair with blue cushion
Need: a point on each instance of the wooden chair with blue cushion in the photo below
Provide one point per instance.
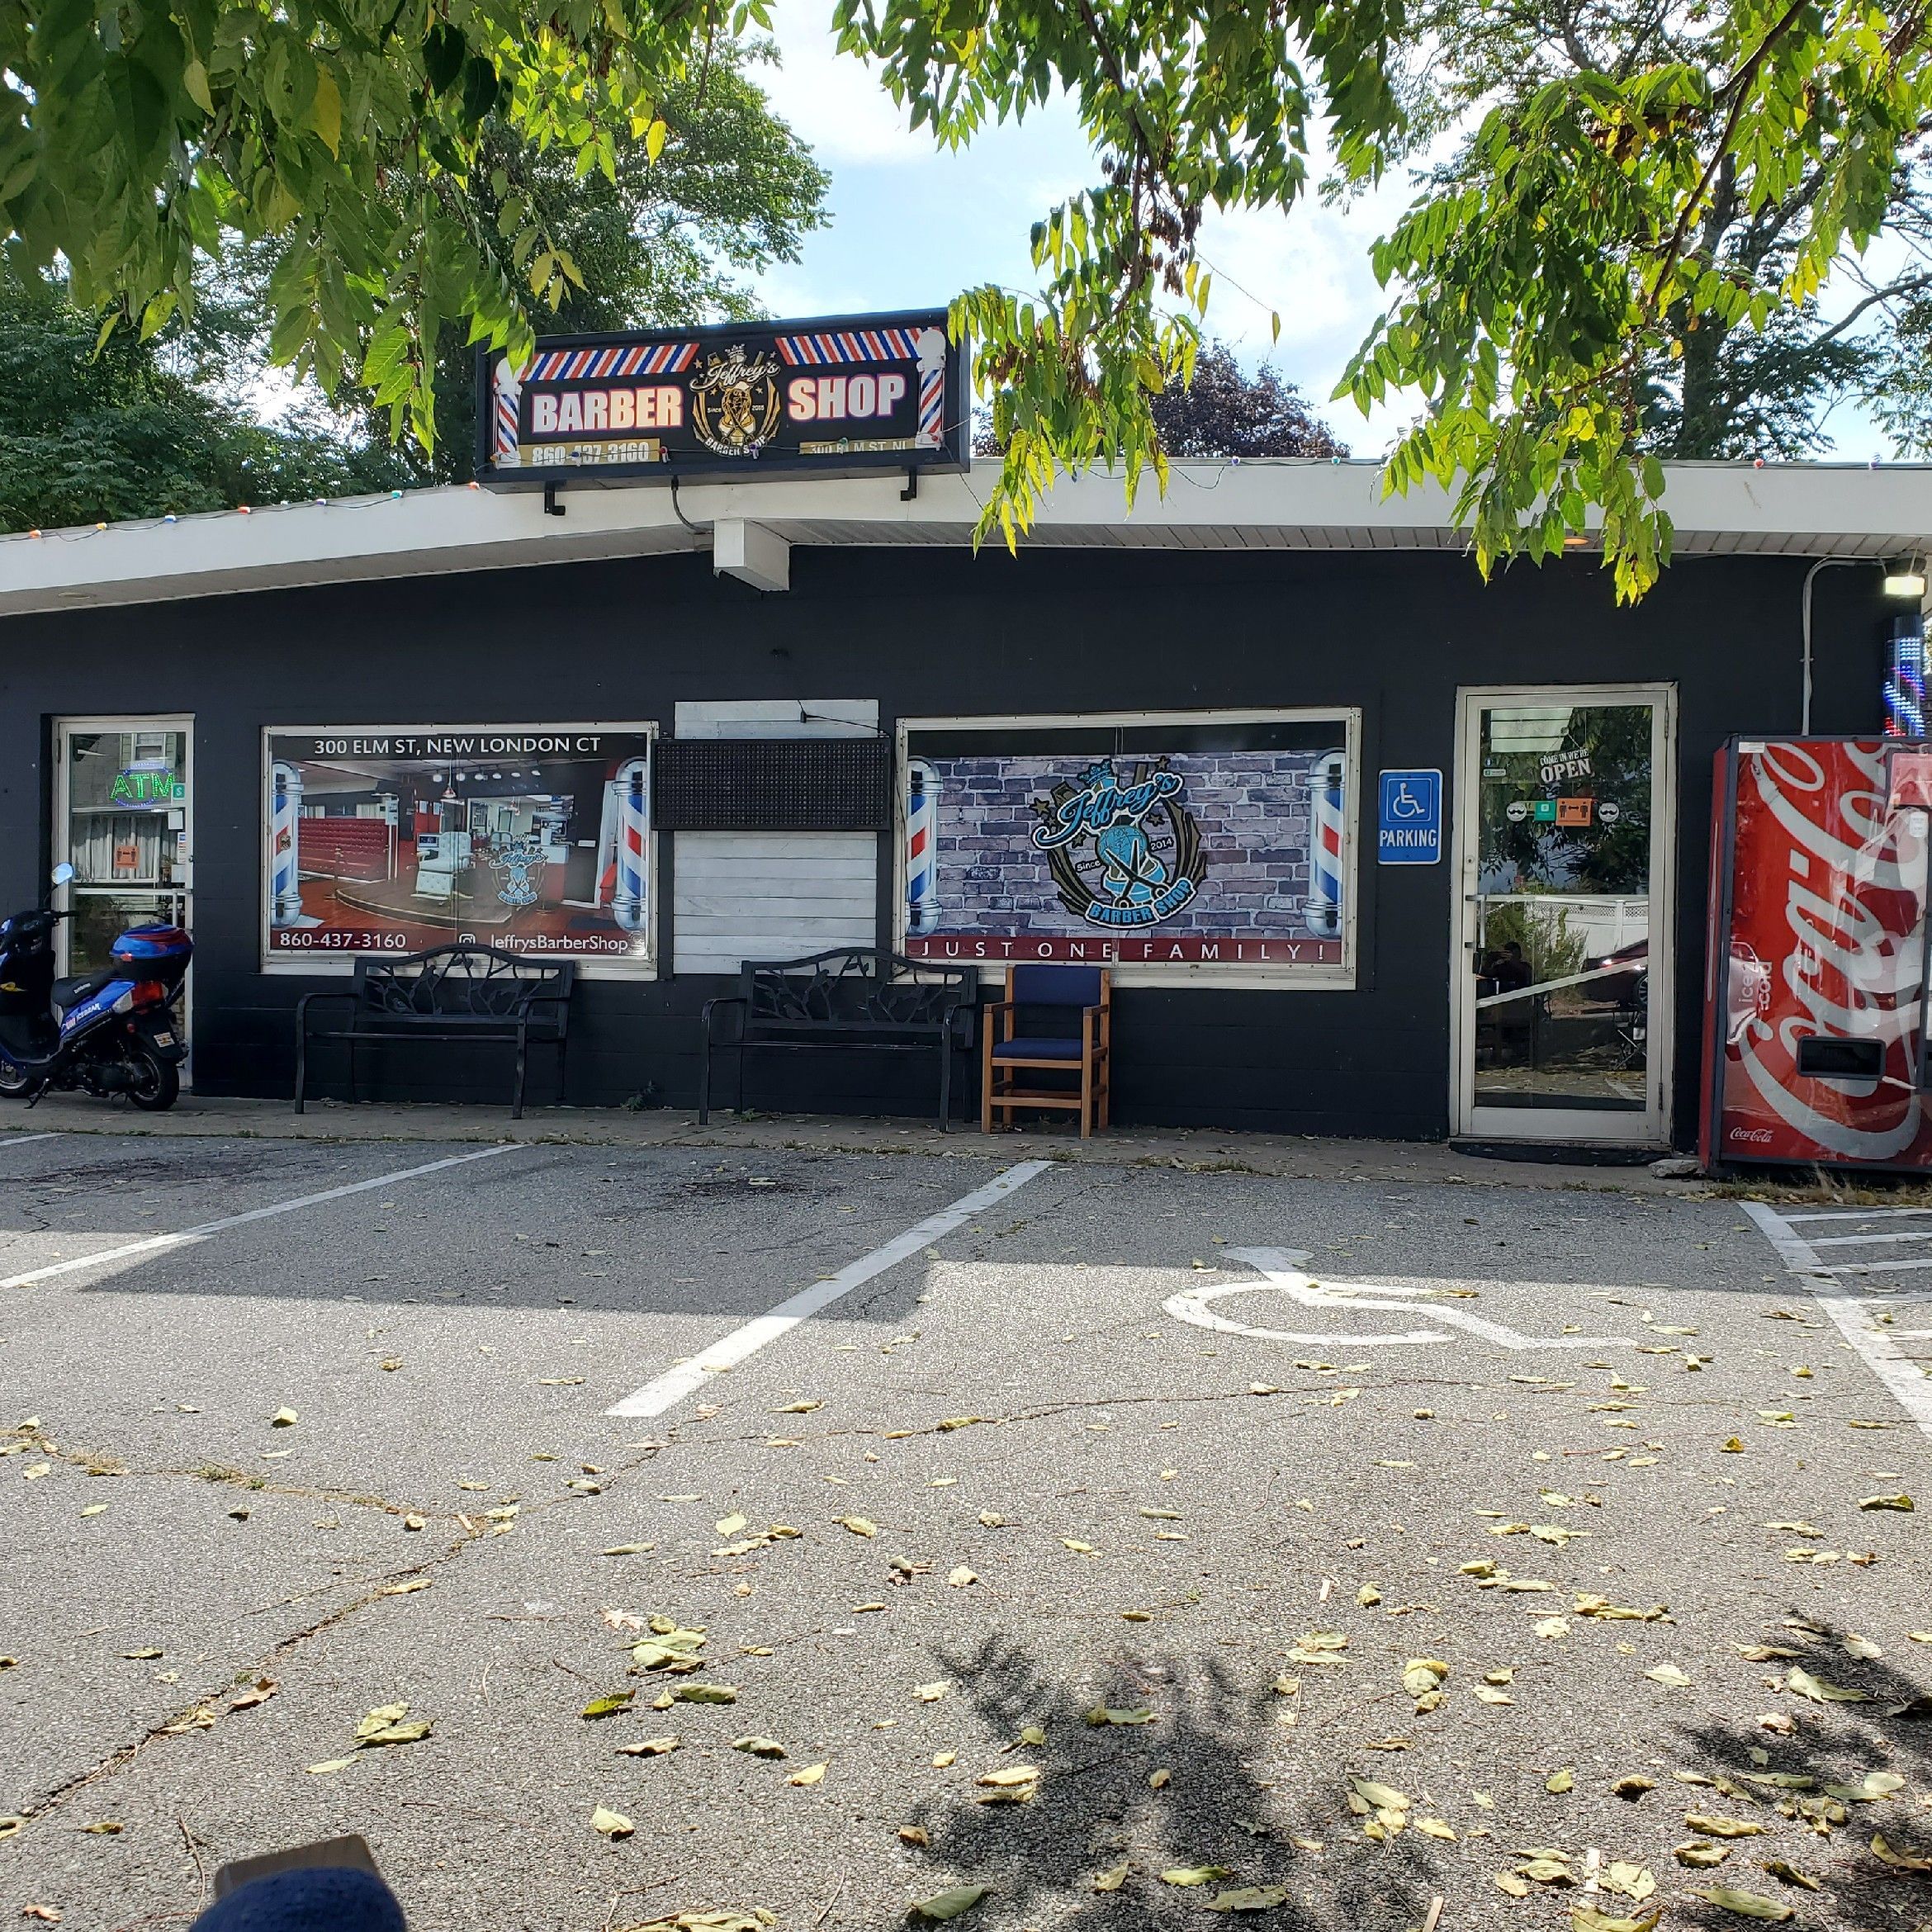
(1056, 1019)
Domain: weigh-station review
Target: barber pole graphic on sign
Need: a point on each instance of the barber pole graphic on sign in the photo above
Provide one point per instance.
(285, 831)
(1328, 833)
(840, 397)
(631, 786)
(922, 851)
(509, 387)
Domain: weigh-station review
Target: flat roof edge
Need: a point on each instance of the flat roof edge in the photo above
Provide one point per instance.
(1305, 504)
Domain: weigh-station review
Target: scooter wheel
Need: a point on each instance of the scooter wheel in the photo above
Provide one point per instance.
(157, 1083)
(15, 1082)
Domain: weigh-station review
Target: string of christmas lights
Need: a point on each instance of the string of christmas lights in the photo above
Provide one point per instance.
(82, 533)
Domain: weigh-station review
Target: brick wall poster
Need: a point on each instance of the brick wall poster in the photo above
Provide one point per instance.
(1172, 844)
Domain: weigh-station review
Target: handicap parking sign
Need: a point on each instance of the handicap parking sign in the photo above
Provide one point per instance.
(1411, 828)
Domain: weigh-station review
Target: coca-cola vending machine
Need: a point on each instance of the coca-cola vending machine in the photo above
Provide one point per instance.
(1815, 984)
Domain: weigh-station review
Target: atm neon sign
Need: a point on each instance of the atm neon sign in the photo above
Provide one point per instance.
(146, 788)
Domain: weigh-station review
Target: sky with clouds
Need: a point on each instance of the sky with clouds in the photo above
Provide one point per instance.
(911, 226)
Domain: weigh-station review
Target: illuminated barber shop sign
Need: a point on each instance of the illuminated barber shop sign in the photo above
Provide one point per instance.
(837, 397)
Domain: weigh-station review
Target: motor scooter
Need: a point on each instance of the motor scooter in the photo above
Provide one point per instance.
(113, 1031)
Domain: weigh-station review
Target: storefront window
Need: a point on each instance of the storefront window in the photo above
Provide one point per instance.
(1205, 841)
(389, 839)
(126, 833)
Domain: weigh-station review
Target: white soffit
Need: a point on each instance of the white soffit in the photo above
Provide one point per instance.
(1718, 508)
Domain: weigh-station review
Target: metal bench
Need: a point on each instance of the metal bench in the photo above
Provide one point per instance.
(840, 1001)
(460, 993)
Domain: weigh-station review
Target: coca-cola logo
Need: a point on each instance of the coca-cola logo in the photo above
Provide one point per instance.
(1848, 950)
(1756, 1136)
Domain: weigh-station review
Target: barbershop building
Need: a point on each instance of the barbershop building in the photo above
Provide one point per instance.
(1370, 847)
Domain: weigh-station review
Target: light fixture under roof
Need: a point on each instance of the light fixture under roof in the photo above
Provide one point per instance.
(1905, 576)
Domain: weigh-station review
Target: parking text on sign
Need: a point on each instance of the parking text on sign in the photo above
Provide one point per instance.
(1410, 824)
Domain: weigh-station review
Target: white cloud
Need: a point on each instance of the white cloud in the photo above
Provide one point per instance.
(913, 224)
(1311, 266)
(832, 101)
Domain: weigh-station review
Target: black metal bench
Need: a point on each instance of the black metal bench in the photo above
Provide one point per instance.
(843, 1000)
(464, 992)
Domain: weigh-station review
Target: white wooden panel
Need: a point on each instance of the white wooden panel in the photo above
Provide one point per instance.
(741, 896)
(778, 717)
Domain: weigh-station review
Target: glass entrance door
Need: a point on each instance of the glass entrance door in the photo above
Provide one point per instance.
(1566, 832)
(123, 818)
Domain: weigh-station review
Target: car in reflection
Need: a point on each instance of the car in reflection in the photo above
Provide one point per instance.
(1625, 976)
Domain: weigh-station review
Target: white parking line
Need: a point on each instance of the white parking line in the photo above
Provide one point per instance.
(1866, 1240)
(1904, 1378)
(667, 1390)
(156, 1243)
(8, 1140)
(1858, 1214)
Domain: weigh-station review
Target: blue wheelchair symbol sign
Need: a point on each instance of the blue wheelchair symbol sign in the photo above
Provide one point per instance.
(1411, 828)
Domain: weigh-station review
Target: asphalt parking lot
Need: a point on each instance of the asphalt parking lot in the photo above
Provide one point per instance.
(1091, 1535)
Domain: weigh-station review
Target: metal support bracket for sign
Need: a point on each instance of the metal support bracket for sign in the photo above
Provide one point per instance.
(552, 503)
(911, 489)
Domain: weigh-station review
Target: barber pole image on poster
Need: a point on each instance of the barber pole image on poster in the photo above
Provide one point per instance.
(1815, 1047)
(1204, 841)
(383, 839)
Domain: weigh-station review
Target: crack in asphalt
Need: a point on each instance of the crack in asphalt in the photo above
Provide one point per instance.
(179, 1725)
(124, 1754)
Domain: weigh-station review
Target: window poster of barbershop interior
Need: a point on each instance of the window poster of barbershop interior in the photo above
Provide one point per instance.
(1200, 842)
(534, 839)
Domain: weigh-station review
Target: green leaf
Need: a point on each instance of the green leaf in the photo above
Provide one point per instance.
(1800, 1681)
(1589, 1919)
(444, 50)
(480, 89)
(1749, 1905)
(950, 1903)
(326, 111)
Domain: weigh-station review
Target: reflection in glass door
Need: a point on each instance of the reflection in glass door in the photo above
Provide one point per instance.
(123, 819)
(1564, 958)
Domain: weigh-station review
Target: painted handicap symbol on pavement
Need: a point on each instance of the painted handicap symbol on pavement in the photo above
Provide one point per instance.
(1282, 1274)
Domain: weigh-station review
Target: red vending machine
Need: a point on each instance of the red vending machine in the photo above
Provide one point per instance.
(1815, 996)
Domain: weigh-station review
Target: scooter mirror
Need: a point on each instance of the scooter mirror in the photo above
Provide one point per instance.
(63, 872)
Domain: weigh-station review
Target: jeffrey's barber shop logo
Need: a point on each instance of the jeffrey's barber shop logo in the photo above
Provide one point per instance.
(735, 403)
(1124, 854)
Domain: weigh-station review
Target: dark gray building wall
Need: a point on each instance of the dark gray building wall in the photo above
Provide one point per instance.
(945, 633)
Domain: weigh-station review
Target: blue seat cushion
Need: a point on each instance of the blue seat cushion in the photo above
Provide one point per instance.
(1037, 1049)
(1055, 985)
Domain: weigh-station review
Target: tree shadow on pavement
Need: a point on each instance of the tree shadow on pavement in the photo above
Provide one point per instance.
(1239, 1791)
(1814, 1823)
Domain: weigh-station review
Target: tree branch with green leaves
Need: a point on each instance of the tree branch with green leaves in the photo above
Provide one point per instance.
(1641, 180)
(1551, 273)
(137, 136)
